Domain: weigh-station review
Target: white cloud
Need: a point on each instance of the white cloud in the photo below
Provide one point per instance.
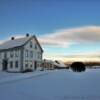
(1, 41)
(66, 37)
(86, 56)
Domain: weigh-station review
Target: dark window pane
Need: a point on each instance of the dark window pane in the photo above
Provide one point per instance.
(16, 64)
(26, 65)
(31, 45)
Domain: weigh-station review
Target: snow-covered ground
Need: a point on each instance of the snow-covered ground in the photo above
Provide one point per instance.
(57, 85)
(6, 77)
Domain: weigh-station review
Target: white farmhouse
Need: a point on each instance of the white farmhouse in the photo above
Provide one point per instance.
(18, 55)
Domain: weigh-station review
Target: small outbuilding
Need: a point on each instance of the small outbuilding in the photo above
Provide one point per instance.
(47, 64)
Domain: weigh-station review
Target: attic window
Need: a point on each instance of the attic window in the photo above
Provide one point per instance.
(31, 45)
(35, 46)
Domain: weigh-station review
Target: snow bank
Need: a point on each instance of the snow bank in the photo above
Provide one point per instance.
(58, 85)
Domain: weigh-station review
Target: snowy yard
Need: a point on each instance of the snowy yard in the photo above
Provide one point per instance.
(6, 77)
(56, 85)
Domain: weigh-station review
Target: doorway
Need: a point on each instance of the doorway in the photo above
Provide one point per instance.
(35, 65)
(5, 64)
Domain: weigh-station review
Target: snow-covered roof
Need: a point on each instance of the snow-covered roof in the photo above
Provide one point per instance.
(48, 61)
(14, 43)
(59, 64)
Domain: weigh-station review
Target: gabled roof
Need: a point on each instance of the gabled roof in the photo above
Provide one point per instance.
(17, 43)
(48, 61)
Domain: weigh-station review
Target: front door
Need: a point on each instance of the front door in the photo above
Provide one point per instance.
(35, 65)
(5, 63)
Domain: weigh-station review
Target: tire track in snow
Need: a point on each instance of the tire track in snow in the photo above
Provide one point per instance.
(23, 78)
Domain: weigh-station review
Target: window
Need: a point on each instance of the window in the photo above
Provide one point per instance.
(16, 64)
(35, 46)
(11, 64)
(31, 66)
(0, 55)
(11, 54)
(31, 54)
(31, 44)
(39, 55)
(26, 53)
(5, 55)
(16, 53)
(26, 65)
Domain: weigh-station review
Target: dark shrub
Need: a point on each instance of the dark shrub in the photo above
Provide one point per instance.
(78, 67)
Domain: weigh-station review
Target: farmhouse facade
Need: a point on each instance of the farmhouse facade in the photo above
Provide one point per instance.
(18, 55)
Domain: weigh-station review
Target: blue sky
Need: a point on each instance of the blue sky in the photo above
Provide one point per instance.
(45, 17)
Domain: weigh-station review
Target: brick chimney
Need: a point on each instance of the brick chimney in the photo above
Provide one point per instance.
(12, 38)
(27, 35)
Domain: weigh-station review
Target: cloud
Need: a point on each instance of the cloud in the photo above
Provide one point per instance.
(1, 41)
(66, 37)
(69, 36)
(86, 56)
